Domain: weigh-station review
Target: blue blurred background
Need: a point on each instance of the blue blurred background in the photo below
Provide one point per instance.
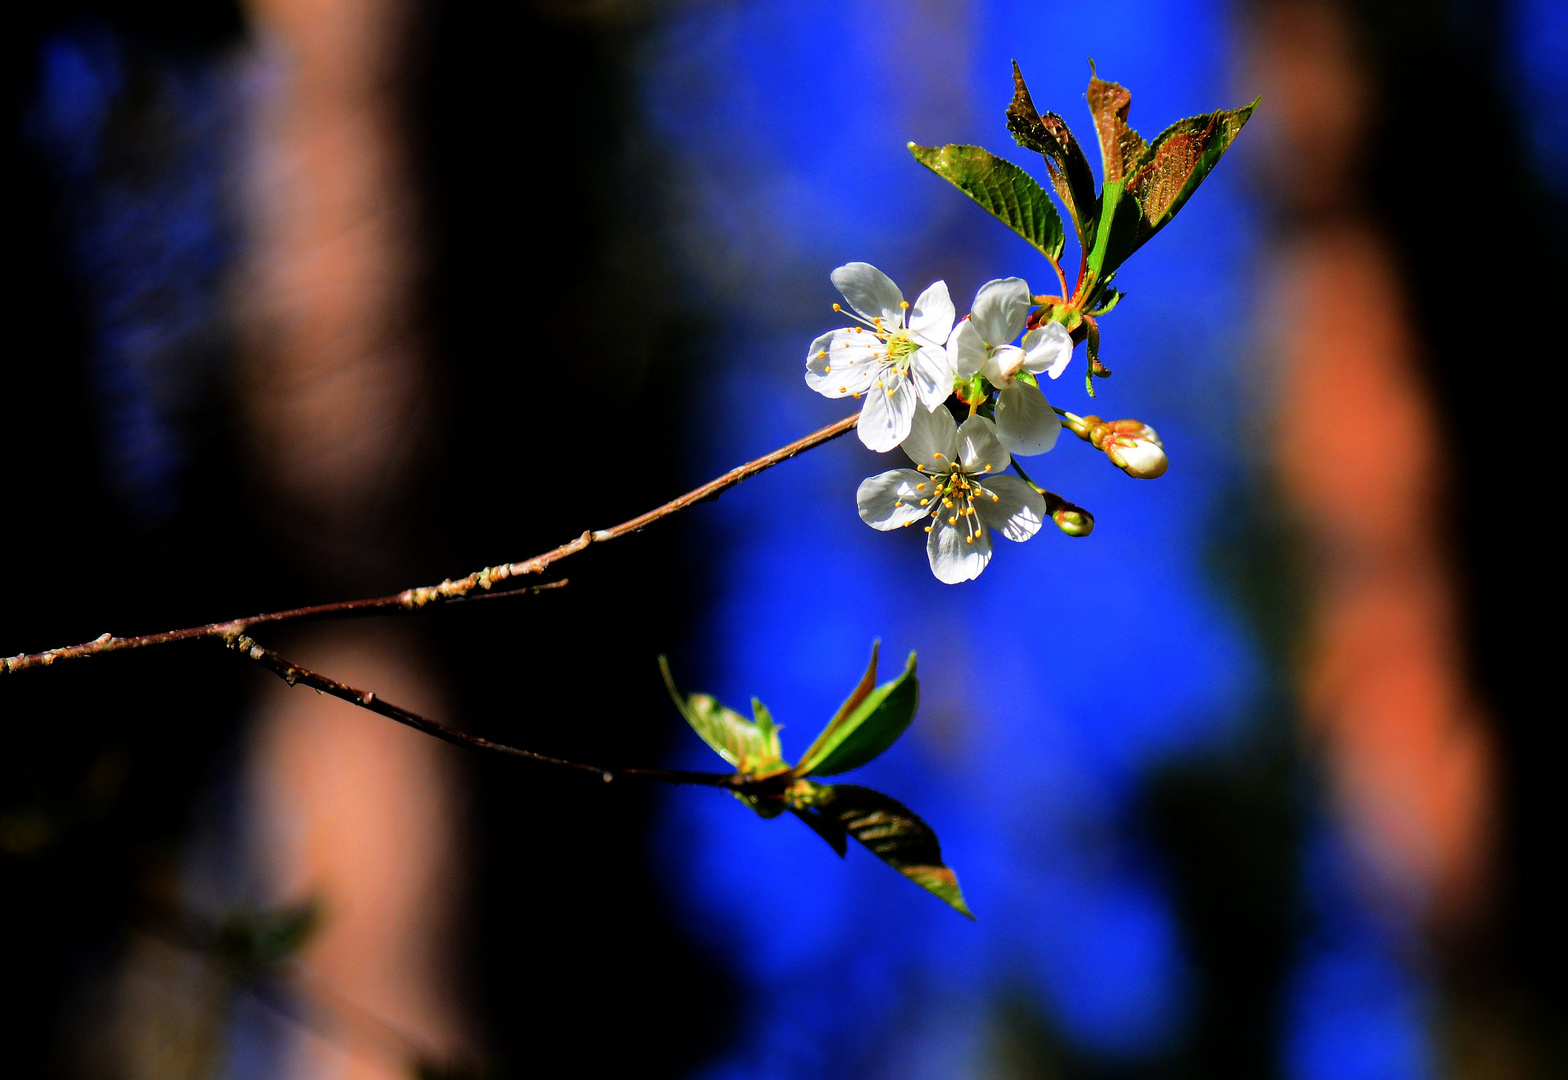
(1110, 743)
(1072, 671)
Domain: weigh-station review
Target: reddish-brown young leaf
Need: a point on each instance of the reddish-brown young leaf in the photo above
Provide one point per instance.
(1048, 135)
(1120, 145)
(1170, 169)
(1160, 180)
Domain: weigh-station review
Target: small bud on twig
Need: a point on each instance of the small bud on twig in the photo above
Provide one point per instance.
(1071, 519)
(1133, 446)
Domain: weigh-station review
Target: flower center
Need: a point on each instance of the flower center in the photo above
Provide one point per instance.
(950, 497)
(900, 347)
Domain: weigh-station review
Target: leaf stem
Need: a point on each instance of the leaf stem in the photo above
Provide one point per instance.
(295, 675)
(1060, 277)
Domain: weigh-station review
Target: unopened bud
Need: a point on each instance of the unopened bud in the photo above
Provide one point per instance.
(1072, 520)
(1140, 458)
(1133, 446)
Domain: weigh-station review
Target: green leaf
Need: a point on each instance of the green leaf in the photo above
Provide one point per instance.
(251, 942)
(752, 747)
(826, 827)
(1010, 194)
(1120, 145)
(892, 832)
(1048, 135)
(862, 690)
(867, 724)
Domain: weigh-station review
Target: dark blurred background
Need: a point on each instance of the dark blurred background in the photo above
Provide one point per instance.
(326, 298)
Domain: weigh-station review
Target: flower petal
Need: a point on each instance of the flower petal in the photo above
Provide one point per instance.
(870, 292)
(933, 439)
(1024, 419)
(931, 319)
(892, 499)
(842, 363)
(1011, 507)
(1003, 363)
(979, 449)
(956, 552)
(891, 404)
(1001, 308)
(932, 370)
(967, 349)
(1048, 350)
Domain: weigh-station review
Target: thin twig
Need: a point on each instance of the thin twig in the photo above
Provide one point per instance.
(412, 600)
(295, 675)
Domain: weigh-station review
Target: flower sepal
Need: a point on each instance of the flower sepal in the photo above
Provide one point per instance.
(973, 392)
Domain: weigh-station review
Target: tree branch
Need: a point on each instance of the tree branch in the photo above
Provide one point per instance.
(295, 675)
(413, 600)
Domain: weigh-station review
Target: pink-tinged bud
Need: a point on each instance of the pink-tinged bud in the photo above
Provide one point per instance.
(1140, 458)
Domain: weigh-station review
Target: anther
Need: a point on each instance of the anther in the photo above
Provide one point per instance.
(837, 308)
(828, 368)
(920, 487)
(904, 304)
(923, 502)
(988, 467)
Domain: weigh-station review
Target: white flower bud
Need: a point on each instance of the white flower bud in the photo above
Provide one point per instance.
(1138, 457)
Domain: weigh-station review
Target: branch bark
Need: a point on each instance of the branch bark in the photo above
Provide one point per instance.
(417, 599)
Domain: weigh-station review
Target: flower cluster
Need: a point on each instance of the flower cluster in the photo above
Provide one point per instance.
(907, 363)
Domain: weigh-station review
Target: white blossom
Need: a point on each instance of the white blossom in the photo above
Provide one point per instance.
(982, 345)
(956, 482)
(896, 358)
